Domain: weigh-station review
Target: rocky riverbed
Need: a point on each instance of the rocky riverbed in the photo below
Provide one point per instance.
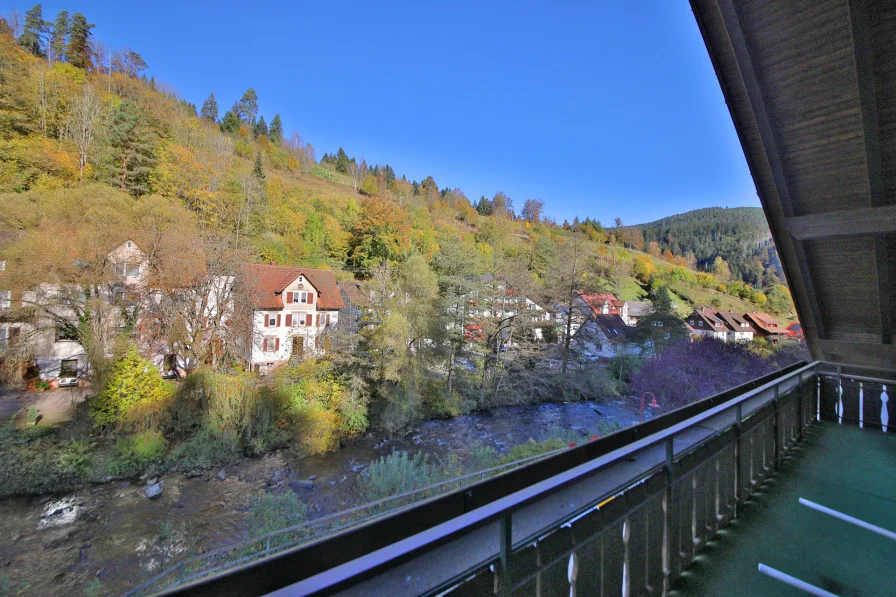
(114, 533)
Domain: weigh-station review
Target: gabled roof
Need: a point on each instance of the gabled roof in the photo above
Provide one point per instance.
(765, 322)
(735, 322)
(597, 300)
(352, 292)
(614, 326)
(267, 282)
(639, 308)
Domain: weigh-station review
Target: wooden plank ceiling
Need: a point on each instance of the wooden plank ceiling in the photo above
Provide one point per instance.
(811, 87)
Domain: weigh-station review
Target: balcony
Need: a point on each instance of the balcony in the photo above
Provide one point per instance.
(688, 503)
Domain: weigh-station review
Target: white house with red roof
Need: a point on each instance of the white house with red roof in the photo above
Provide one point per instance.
(292, 309)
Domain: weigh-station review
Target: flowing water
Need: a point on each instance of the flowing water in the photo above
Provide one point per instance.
(57, 545)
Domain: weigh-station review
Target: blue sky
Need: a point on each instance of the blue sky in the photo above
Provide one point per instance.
(596, 108)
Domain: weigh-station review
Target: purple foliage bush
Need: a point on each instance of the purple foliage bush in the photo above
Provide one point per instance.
(690, 371)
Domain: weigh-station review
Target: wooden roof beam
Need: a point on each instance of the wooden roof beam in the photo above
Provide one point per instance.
(770, 144)
(867, 220)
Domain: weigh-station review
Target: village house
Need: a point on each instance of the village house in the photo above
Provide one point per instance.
(603, 337)
(292, 309)
(766, 327)
(46, 330)
(722, 325)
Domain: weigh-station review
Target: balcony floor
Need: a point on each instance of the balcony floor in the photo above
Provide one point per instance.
(844, 468)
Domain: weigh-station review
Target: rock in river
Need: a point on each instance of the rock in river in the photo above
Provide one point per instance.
(153, 491)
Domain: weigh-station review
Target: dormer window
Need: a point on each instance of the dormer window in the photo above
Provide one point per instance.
(129, 245)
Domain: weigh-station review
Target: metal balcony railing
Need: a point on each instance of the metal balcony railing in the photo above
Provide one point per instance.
(623, 515)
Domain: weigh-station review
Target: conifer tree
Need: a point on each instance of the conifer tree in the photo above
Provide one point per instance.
(248, 106)
(34, 29)
(210, 108)
(79, 46)
(341, 161)
(261, 128)
(258, 169)
(133, 148)
(276, 130)
(60, 33)
(231, 121)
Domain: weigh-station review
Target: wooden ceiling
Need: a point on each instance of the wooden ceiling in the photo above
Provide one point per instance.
(811, 87)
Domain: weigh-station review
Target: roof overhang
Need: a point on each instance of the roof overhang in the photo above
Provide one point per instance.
(811, 88)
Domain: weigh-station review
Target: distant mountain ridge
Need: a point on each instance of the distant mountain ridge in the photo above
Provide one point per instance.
(739, 235)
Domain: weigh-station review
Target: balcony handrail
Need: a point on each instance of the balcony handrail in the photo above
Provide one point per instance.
(878, 380)
(500, 508)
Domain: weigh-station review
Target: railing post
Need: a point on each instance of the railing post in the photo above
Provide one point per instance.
(799, 410)
(738, 430)
(667, 514)
(884, 415)
(818, 395)
(777, 428)
(861, 406)
(839, 395)
(506, 542)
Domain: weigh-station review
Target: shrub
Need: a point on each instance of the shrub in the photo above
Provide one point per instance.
(136, 452)
(134, 397)
(271, 512)
(206, 450)
(75, 458)
(231, 407)
(395, 474)
(33, 414)
(318, 406)
(398, 408)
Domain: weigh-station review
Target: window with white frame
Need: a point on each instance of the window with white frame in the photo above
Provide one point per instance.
(699, 324)
(68, 368)
(5, 299)
(272, 320)
(270, 344)
(2, 265)
(127, 270)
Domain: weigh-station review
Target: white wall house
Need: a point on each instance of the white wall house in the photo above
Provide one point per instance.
(721, 325)
(46, 332)
(293, 309)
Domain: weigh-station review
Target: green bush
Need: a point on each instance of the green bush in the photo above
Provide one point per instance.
(395, 474)
(318, 407)
(206, 450)
(32, 415)
(135, 453)
(75, 458)
(270, 512)
(227, 406)
(134, 397)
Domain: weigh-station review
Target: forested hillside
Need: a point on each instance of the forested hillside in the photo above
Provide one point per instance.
(738, 235)
(94, 152)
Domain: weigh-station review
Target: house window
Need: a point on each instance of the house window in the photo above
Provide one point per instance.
(699, 324)
(68, 368)
(129, 245)
(3, 334)
(271, 344)
(66, 334)
(272, 320)
(15, 336)
(127, 270)
(667, 335)
(5, 299)
(2, 265)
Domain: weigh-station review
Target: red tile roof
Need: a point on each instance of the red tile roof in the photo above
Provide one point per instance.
(267, 282)
(765, 322)
(596, 301)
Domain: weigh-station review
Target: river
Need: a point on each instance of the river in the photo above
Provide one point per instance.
(59, 544)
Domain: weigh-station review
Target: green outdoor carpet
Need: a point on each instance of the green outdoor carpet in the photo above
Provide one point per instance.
(844, 468)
